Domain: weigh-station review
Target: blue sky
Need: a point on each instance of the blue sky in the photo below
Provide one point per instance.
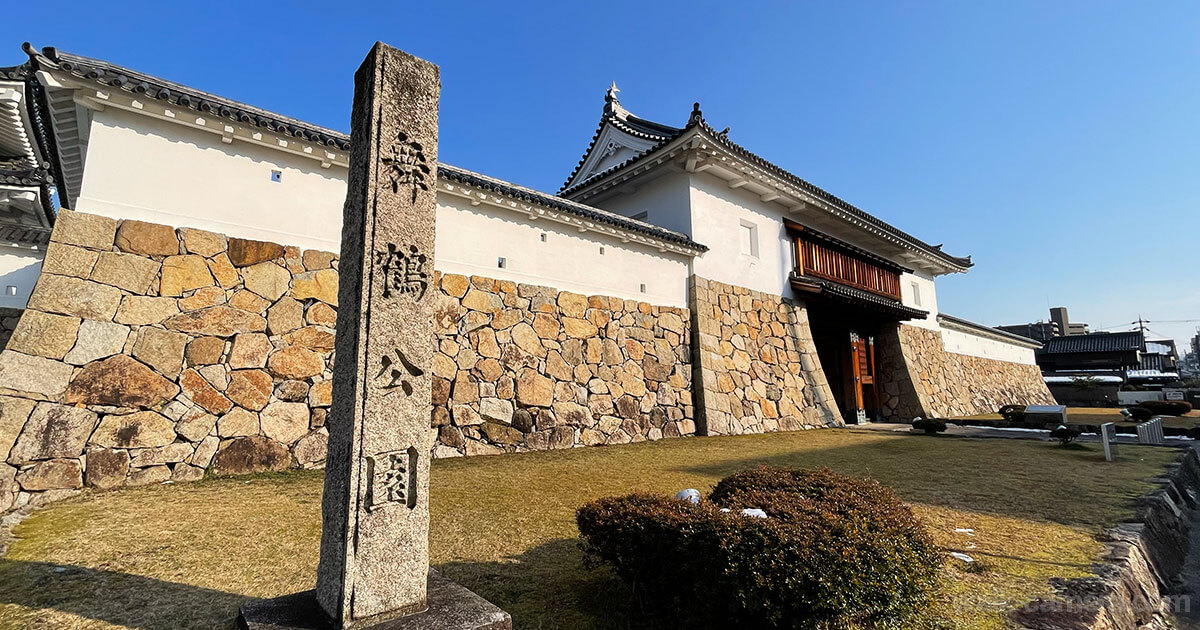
(1056, 142)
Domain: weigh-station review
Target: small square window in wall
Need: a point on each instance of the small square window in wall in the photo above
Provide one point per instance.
(916, 294)
(543, 237)
(11, 290)
(601, 250)
(276, 176)
(502, 262)
(748, 238)
(643, 287)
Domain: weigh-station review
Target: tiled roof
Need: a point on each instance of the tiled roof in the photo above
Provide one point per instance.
(114, 76)
(24, 235)
(571, 207)
(986, 330)
(696, 121)
(1095, 342)
(859, 297)
(118, 77)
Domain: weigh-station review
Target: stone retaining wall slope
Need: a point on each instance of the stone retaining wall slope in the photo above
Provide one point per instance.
(756, 362)
(918, 377)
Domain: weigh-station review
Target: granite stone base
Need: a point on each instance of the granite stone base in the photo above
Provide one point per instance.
(451, 607)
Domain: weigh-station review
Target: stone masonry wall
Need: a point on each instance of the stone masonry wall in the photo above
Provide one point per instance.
(522, 367)
(148, 353)
(757, 363)
(920, 378)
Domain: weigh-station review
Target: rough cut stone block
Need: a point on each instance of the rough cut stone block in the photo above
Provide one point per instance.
(248, 301)
(295, 363)
(311, 337)
(132, 273)
(533, 389)
(315, 260)
(184, 273)
(160, 349)
(34, 376)
(204, 351)
(72, 296)
(120, 381)
(220, 321)
(267, 279)
(203, 393)
(184, 472)
(238, 422)
(13, 414)
(322, 315)
(204, 243)
(284, 422)
(250, 388)
(97, 340)
(310, 451)
(106, 468)
(224, 271)
(86, 230)
(249, 350)
(51, 475)
(202, 298)
(44, 335)
(285, 316)
(250, 454)
(147, 239)
(195, 425)
(321, 394)
(69, 260)
(136, 310)
(142, 429)
(321, 285)
(148, 476)
(243, 253)
(53, 431)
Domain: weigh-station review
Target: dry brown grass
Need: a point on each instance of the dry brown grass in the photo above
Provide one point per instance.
(186, 556)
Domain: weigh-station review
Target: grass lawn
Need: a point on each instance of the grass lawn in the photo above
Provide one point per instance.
(1100, 415)
(185, 556)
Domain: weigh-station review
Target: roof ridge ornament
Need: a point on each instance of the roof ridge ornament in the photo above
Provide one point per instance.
(697, 116)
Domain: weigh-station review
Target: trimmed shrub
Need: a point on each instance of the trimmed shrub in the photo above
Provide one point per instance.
(1012, 413)
(833, 552)
(929, 425)
(1141, 414)
(1065, 435)
(1166, 407)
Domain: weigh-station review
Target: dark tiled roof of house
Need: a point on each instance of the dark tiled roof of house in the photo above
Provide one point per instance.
(696, 121)
(1095, 342)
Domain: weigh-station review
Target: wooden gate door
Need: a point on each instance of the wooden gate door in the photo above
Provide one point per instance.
(862, 377)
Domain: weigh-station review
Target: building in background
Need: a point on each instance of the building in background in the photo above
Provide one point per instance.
(677, 216)
(1059, 325)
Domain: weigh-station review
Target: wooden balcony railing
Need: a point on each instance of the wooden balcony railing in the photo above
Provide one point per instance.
(825, 261)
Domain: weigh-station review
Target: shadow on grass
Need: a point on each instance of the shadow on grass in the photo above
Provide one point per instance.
(548, 586)
(121, 599)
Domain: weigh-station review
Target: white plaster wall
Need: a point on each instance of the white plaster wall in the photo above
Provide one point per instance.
(141, 168)
(151, 170)
(717, 213)
(470, 239)
(928, 301)
(960, 342)
(666, 201)
(19, 268)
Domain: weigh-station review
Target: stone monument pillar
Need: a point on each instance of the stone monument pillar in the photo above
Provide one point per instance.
(374, 567)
